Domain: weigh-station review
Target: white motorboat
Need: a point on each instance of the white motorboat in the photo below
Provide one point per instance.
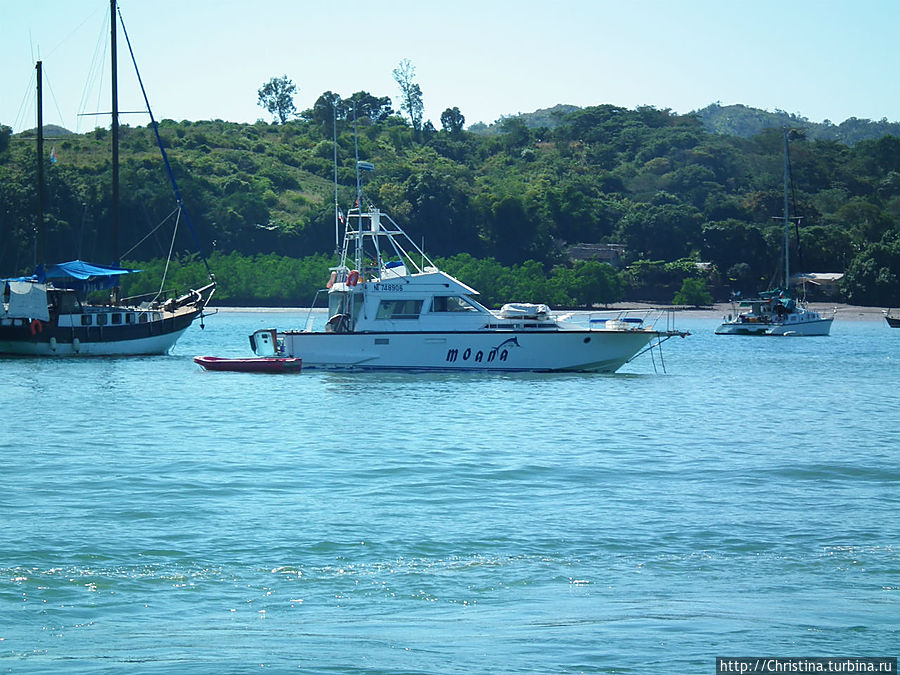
(391, 308)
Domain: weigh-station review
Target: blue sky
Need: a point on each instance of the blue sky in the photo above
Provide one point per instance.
(206, 59)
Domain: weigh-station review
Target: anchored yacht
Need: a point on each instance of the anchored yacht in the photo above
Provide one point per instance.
(391, 308)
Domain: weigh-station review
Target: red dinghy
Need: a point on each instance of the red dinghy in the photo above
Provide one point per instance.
(251, 365)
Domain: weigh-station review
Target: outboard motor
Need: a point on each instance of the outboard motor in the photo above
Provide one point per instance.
(264, 342)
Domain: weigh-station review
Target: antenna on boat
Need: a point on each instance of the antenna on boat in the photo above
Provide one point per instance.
(337, 208)
(356, 151)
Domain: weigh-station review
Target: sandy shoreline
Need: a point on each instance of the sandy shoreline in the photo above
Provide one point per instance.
(843, 312)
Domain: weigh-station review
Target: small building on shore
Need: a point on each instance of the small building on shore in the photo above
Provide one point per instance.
(818, 285)
(608, 253)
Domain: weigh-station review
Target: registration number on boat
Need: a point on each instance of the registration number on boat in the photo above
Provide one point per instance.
(388, 288)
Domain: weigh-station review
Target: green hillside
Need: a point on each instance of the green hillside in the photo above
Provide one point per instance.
(659, 184)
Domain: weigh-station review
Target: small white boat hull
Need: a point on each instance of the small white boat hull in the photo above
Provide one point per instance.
(601, 351)
(800, 328)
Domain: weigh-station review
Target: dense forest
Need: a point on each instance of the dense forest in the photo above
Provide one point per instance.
(690, 210)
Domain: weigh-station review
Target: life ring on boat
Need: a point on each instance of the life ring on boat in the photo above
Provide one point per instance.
(353, 278)
(35, 326)
(331, 280)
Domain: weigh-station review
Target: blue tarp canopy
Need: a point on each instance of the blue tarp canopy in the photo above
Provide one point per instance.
(82, 276)
(79, 274)
(78, 269)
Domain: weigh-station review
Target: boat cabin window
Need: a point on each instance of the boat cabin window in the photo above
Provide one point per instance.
(143, 317)
(86, 320)
(129, 318)
(452, 303)
(116, 318)
(101, 319)
(399, 309)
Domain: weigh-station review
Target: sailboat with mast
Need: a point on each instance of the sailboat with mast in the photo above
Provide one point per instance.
(49, 313)
(777, 312)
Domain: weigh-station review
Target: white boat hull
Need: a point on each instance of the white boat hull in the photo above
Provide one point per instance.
(799, 328)
(599, 351)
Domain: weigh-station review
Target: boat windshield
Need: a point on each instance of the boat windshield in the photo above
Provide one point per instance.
(399, 309)
(452, 303)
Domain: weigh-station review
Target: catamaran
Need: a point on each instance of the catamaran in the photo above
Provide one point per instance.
(776, 312)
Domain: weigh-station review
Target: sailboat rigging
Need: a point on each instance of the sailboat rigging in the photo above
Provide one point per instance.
(49, 313)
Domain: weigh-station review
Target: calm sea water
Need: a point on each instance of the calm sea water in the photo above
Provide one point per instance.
(158, 518)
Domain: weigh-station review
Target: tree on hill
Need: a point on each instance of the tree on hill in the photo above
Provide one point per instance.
(5, 134)
(452, 120)
(368, 107)
(327, 108)
(277, 96)
(361, 106)
(661, 231)
(410, 93)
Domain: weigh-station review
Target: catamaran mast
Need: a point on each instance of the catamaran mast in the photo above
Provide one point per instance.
(39, 233)
(787, 229)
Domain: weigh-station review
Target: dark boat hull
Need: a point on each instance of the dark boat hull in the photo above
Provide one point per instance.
(35, 338)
